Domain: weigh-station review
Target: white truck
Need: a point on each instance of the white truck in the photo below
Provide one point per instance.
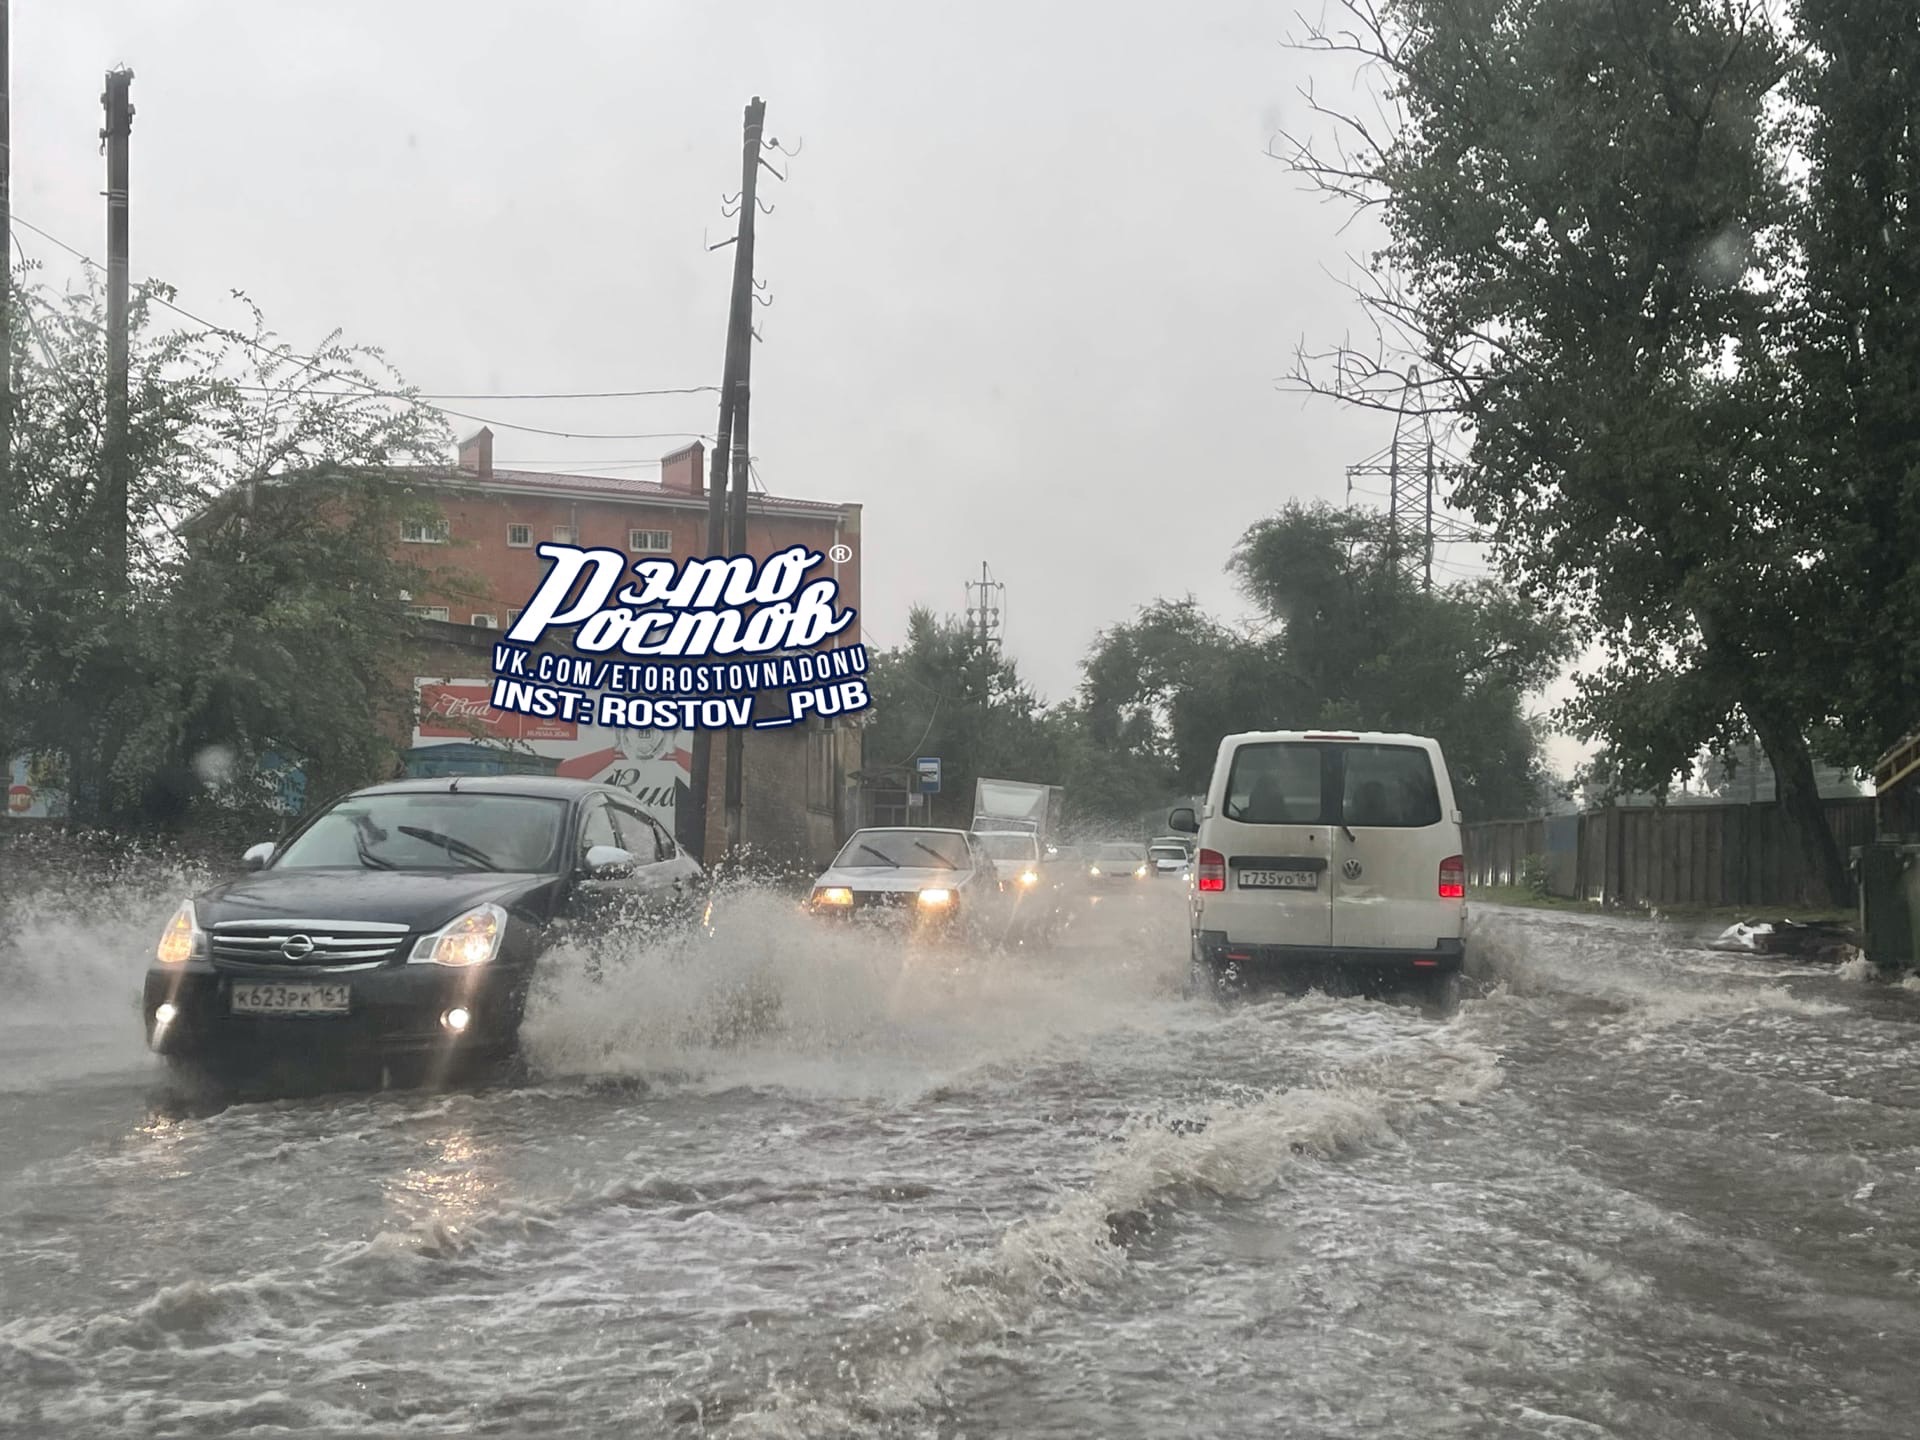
(1002, 806)
(1017, 823)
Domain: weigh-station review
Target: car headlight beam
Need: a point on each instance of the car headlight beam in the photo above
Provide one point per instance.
(936, 899)
(468, 940)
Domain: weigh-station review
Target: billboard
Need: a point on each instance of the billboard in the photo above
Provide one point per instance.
(654, 766)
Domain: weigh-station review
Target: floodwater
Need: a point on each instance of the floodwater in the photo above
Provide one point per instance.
(808, 1183)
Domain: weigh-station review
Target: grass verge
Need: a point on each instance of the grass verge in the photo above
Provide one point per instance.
(1703, 914)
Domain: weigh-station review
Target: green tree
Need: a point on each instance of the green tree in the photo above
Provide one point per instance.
(263, 606)
(1346, 642)
(944, 693)
(1591, 251)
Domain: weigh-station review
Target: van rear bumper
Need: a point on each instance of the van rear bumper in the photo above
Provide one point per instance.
(1214, 949)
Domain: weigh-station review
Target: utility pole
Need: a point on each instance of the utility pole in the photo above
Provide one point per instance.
(741, 335)
(6, 265)
(114, 140)
(984, 619)
(720, 540)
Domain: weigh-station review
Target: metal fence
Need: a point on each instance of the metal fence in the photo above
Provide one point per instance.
(1665, 855)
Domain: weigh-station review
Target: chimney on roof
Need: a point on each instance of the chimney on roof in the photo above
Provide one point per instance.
(476, 453)
(684, 470)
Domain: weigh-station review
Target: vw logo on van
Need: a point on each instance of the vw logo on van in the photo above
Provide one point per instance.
(1351, 869)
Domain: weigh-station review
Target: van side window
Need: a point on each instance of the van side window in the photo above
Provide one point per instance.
(1275, 784)
(1389, 786)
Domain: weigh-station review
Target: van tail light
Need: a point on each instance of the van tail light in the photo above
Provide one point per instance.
(1211, 873)
(1453, 878)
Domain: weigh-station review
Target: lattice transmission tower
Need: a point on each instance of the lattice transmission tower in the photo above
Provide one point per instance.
(1416, 468)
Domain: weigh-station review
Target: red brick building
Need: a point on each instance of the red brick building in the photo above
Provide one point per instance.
(797, 804)
(495, 518)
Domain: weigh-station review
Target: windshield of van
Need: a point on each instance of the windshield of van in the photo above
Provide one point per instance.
(1380, 786)
(1009, 847)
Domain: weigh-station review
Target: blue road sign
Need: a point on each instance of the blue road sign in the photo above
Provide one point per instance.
(926, 774)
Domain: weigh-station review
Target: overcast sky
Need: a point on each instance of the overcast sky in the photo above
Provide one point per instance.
(1034, 277)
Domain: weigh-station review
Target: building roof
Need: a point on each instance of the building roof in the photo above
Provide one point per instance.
(607, 487)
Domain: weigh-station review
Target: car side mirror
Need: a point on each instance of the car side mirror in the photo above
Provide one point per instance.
(608, 862)
(1183, 820)
(257, 855)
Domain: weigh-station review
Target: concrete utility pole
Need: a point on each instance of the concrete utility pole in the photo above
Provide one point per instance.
(720, 534)
(114, 139)
(6, 265)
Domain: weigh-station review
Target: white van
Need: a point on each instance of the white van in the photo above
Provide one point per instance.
(1319, 849)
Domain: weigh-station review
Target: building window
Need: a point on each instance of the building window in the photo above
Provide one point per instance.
(429, 612)
(639, 541)
(520, 537)
(565, 535)
(424, 532)
(486, 622)
(513, 618)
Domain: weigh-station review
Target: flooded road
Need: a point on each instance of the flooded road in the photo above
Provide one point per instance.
(812, 1184)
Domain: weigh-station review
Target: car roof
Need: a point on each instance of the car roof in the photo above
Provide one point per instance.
(552, 786)
(907, 830)
(1368, 737)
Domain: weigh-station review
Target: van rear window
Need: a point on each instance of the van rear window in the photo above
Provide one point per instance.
(1275, 784)
(1389, 786)
(1292, 783)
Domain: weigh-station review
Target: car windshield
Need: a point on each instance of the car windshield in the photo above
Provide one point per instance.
(901, 849)
(436, 831)
(1121, 852)
(1009, 847)
(1168, 852)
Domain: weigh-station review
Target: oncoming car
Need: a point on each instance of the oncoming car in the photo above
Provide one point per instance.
(919, 879)
(406, 920)
(1117, 864)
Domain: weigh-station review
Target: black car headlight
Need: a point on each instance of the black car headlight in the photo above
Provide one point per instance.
(470, 939)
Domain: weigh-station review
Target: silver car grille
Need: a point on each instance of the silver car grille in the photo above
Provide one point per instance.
(308, 944)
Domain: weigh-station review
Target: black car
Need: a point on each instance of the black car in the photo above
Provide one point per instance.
(406, 920)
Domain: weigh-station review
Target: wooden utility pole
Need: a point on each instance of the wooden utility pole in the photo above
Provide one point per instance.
(6, 266)
(732, 389)
(114, 500)
(740, 344)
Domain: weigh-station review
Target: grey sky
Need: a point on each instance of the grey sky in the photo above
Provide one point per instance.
(1033, 274)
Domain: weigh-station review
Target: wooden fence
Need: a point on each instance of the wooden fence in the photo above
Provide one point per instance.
(1665, 855)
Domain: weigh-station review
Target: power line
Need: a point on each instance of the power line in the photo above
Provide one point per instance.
(367, 388)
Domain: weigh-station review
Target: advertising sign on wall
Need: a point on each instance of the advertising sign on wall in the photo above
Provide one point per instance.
(654, 766)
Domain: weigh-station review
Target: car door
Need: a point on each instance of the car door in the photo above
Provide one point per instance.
(599, 902)
(1270, 821)
(1396, 811)
(660, 878)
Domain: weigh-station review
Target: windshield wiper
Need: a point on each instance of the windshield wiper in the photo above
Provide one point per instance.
(367, 858)
(922, 845)
(458, 848)
(882, 855)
